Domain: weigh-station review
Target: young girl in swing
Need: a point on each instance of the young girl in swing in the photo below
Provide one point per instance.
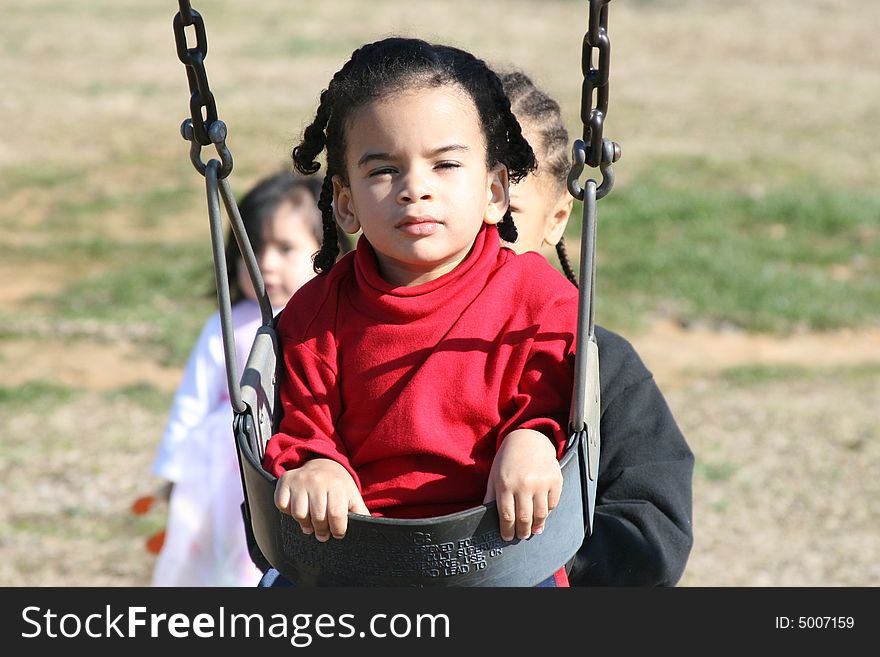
(435, 372)
(643, 533)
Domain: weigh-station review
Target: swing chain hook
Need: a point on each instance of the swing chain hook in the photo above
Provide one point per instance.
(217, 135)
(203, 127)
(593, 150)
(610, 154)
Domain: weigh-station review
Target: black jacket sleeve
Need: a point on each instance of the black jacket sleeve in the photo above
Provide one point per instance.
(642, 522)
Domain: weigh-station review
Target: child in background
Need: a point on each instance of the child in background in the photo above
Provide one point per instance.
(205, 538)
(436, 371)
(643, 532)
(541, 203)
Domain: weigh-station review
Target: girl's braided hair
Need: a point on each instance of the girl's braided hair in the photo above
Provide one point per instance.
(543, 115)
(390, 66)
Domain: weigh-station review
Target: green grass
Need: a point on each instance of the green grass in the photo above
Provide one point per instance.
(746, 375)
(47, 178)
(156, 277)
(720, 506)
(153, 204)
(79, 523)
(713, 471)
(168, 287)
(144, 395)
(794, 258)
(293, 45)
(34, 397)
(37, 395)
(75, 208)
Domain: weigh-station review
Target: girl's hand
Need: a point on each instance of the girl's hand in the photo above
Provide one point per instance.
(319, 496)
(526, 482)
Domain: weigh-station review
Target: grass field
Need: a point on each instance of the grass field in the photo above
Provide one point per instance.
(739, 250)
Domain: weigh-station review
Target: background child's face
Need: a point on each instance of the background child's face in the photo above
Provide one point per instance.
(531, 203)
(539, 204)
(285, 259)
(418, 184)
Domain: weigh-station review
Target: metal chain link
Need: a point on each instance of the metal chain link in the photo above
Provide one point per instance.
(593, 150)
(203, 127)
(595, 79)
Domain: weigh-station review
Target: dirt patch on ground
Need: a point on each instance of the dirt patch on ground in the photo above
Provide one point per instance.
(787, 481)
(82, 364)
(676, 354)
(44, 279)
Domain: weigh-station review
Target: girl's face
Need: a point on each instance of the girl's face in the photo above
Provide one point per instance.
(539, 206)
(285, 258)
(417, 182)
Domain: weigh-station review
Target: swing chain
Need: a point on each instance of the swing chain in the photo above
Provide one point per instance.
(593, 150)
(203, 127)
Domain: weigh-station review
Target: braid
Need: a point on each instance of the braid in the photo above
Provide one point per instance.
(506, 228)
(562, 252)
(314, 139)
(313, 143)
(543, 116)
(325, 258)
(520, 157)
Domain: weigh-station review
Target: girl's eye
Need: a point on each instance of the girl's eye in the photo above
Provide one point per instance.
(448, 165)
(381, 172)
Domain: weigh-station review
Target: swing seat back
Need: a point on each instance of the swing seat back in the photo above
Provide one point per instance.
(459, 549)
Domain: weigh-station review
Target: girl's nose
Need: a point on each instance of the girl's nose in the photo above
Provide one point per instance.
(414, 187)
(267, 259)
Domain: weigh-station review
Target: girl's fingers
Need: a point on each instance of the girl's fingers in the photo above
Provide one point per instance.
(555, 493)
(524, 510)
(299, 509)
(337, 513)
(318, 512)
(541, 509)
(282, 496)
(506, 515)
(356, 505)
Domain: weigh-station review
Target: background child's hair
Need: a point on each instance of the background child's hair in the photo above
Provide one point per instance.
(258, 206)
(541, 114)
(389, 66)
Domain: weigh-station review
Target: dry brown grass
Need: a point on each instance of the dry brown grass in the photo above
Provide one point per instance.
(763, 93)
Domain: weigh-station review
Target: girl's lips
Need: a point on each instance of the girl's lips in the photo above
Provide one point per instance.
(420, 226)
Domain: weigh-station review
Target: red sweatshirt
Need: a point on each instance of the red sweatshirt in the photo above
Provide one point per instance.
(413, 388)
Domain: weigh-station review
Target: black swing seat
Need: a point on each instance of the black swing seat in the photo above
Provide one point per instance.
(459, 549)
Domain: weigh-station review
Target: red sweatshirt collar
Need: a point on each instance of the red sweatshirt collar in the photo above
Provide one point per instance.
(411, 302)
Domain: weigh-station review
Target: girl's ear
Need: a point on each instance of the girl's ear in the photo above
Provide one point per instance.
(558, 219)
(343, 207)
(497, 195)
